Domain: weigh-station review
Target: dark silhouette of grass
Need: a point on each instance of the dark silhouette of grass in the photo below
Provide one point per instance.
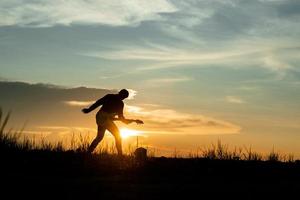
(46, 170)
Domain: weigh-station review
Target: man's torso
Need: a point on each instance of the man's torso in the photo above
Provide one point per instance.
(112, 104)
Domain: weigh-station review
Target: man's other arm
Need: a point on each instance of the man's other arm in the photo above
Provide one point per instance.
(98, 103)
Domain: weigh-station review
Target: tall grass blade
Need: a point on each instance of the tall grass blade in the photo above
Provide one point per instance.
(2, 127)
(0, 115)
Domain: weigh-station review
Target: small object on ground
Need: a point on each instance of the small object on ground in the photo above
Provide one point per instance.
(140, 154)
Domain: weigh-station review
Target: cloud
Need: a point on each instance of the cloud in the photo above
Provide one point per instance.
(177, 33)
(47, 105)
(161, 57)
(78, 103)
(169, 121)
(49, 13)
(166, 54)
(234, 99)
(274, 57)
(158, 82)
(132, 94)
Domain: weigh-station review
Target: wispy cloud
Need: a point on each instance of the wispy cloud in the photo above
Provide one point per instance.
(78, 103)
(167, 54)
(274, 57)
(132, 94)
(158, 82)
(234, 99)
(161, 57)
(171, 121)
(59, 12)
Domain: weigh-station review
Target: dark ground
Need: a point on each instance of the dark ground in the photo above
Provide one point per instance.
(69, 175)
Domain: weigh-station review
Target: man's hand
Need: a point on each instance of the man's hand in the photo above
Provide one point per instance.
(138, 121)
(85, 110)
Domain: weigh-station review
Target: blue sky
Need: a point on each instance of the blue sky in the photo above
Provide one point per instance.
(236, 61)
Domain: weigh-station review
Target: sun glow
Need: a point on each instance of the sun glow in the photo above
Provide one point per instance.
(125, 133)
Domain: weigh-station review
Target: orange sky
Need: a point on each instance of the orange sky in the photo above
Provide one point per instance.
(55, 114)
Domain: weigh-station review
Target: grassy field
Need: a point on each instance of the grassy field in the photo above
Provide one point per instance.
(49, 171)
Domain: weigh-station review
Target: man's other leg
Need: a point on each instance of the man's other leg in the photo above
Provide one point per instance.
(99, 137)
(116, 133)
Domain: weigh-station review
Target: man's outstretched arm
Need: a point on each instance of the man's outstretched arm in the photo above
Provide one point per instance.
(121, 116)
(98, 103)
(126, 121)
(123, 119)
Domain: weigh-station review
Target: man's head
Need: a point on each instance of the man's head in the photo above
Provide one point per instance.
(123, 94)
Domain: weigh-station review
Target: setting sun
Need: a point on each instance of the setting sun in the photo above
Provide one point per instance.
(125, 133)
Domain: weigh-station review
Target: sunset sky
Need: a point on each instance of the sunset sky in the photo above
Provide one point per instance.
(198, 70)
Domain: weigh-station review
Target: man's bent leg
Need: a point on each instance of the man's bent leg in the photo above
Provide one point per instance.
(116, 133)
(99, 137)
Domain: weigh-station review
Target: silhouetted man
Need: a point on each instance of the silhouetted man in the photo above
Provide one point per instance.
(112, 105)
